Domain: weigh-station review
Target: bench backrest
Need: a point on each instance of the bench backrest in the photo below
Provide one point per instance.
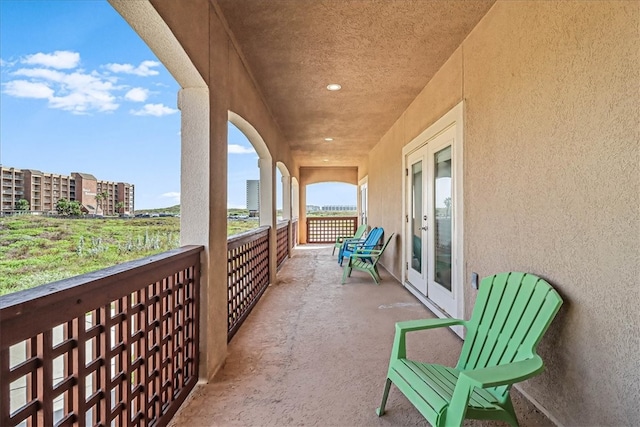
(512, 312)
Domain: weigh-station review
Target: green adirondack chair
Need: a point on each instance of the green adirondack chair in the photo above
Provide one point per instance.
(365, 260)
(340, 239)
(512, 312)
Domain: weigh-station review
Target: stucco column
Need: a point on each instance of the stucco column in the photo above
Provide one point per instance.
(268, 211)
(303, 213)
(203, 217)
(287, 213)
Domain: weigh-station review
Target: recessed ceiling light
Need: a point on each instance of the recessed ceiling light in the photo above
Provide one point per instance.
(325, 160)
(328, 139)
(334, 86)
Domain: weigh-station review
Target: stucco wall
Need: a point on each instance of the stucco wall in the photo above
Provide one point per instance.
(551, 184)
(442, 93)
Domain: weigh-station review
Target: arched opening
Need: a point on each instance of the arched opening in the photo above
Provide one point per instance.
(295, 198)
(279, 210)
(193, 102)
(113, 133)
(265, 162)
(283, 192)
(331, 199)
(243, 183)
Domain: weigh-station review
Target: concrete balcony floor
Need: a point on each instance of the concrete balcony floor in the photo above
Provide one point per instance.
(315, 352)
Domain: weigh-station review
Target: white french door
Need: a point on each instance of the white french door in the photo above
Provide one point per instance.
(430, 205)
(364, 202)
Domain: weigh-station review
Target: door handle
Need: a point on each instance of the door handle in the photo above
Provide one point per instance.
(425, 228)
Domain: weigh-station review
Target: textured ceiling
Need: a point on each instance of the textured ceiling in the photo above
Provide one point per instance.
(382, 53)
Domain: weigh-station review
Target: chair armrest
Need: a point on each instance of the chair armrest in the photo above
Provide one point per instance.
(422, 324)
(362, 248)
(505, 374)
(366, 253)
(352, 244)
(399, 350)
(352, 241)
(341, 239)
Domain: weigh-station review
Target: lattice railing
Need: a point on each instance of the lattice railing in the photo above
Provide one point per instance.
(116, 347)
(326, 229)
(282, 238)
(247, 274)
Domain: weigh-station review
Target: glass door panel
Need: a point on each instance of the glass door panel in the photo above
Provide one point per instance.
(441, 209)
(416, 237)
(416, 216)
(442, 215)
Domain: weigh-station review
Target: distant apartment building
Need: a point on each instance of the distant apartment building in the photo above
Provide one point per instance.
(43, 190)
(339, 208)
(253, 196)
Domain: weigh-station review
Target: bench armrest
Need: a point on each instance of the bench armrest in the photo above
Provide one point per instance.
(505, 374)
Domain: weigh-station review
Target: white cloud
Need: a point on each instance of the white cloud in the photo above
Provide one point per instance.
(25, 89)
(77, 92)
(41, 73)
(239, 149)
(51, 76)
(137, 94)
(173, 195)
(144, 69)
(157, 110)
(60, 59)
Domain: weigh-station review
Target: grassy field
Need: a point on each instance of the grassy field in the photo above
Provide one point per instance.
(35, 250)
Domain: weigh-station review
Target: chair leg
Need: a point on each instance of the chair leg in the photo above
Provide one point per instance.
(375, 276)
(346, 273)
(385, 394)
(333, 252)
(511, 413)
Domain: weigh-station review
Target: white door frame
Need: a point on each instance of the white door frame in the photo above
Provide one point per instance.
(364, 182)
(453, 118)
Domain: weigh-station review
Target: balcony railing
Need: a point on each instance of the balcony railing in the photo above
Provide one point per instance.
(282, 240)
(247, 274)
(117, 346)
(326, 229)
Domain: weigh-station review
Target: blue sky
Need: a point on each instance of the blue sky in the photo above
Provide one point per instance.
(81, 92)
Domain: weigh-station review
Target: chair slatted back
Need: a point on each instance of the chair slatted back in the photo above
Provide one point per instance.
(375, 259)
(512, 312)
(360, 231)
(373, 238)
